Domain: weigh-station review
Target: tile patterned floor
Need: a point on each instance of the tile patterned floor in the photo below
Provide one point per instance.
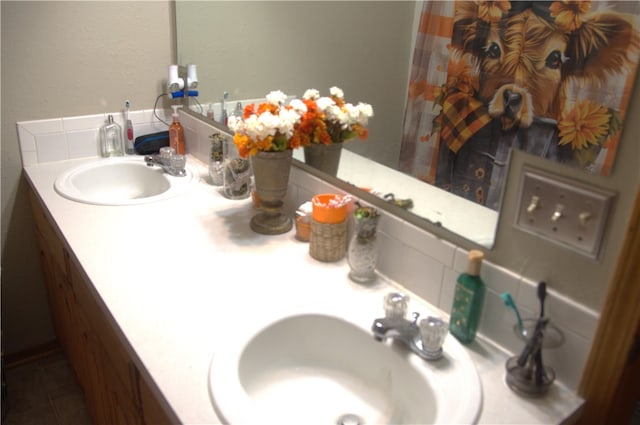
(44, 392)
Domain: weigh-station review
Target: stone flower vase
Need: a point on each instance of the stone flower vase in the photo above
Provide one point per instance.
(271, 174)
(325, 158)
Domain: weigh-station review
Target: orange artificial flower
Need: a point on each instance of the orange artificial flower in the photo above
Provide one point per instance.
(492, 11)
(585, 124)
(568, 13)
(460, 76)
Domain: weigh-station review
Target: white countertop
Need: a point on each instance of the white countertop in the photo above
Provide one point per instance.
(177, 274)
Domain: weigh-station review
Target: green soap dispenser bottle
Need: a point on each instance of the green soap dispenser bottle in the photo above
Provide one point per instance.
(468, 300)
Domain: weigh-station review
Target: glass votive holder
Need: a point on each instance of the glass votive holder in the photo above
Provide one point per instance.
(433, 332)
(395, 305)
(236, 173)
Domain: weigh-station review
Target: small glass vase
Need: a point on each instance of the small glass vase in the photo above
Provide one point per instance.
(362, 254)
(236, 173)
(215, 160)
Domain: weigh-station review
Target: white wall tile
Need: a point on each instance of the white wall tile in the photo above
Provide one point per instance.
(29, 158)
(569, 359)
(421, 274)
(561, 310)
(52, 147)
(83, 143)
(499, 279)
(139, 117)
(390, 261)
(392, 226)
(43, 126)
(27, 139)
(460, 259)
(447, 289)
(438, 249)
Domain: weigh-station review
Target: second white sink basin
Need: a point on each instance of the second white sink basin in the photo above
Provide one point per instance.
(319, 367)
(119, 181)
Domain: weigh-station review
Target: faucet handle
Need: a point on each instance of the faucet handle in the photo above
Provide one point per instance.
(395, 305)
(433, 331)
(415, 316)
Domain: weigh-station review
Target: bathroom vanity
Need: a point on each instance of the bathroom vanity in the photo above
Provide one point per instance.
(144, 296)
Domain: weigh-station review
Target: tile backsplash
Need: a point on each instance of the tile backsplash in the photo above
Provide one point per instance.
(413, 258)
(58, 139)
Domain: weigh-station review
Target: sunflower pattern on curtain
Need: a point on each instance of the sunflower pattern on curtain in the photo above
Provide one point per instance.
(479, 88)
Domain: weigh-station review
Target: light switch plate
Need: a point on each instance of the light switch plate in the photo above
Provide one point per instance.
(566, 212)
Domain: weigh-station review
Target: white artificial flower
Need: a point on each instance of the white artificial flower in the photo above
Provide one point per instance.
(250, 125)
(235, 123)
(298, 106)
(312, 94)
(276, 97)
(287, 120)
(265, 125)
(337, 92)
(352, 113)
(365, 112)
(340, 116)
(325, 103)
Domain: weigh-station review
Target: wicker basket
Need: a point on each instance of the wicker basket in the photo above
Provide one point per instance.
(328, 242)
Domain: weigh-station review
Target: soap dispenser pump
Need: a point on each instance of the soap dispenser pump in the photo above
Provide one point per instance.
(176, 132)
(468, 300)
(111, 139)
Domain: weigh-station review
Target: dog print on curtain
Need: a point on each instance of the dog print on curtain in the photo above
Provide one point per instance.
(552, 78)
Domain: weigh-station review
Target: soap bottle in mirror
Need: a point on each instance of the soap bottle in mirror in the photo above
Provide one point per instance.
(111, 139)
(176, 132)
(468, 300)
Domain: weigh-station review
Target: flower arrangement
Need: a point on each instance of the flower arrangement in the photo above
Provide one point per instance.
(330, 119)
(269, 127)
(273, 126)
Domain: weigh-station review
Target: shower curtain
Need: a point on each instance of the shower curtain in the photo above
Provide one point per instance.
(449, 138)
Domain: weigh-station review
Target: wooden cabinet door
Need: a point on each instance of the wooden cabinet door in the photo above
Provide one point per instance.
(95, 394)
(152, 411)
(90, 337)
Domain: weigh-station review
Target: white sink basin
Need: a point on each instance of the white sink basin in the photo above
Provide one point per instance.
(312, 367)
(119, 181)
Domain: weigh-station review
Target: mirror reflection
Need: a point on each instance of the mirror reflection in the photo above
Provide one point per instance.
(454, 91)
(248, 49)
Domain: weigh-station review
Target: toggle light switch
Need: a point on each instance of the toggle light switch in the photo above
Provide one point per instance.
(533, 204)
(557, 214)
(566, 212)
(584, 217)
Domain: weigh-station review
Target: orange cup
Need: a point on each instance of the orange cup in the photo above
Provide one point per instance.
(324, 212)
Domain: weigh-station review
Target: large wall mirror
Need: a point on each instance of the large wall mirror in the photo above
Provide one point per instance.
(366, 48)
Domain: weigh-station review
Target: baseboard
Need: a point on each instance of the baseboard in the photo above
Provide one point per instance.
(31, 354)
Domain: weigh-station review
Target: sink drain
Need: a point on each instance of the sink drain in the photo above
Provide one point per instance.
(349, 419)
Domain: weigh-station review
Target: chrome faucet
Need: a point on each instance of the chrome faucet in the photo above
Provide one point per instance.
(424, 339)
(172, 164)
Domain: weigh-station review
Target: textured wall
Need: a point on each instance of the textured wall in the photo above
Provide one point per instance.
(65, 59)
